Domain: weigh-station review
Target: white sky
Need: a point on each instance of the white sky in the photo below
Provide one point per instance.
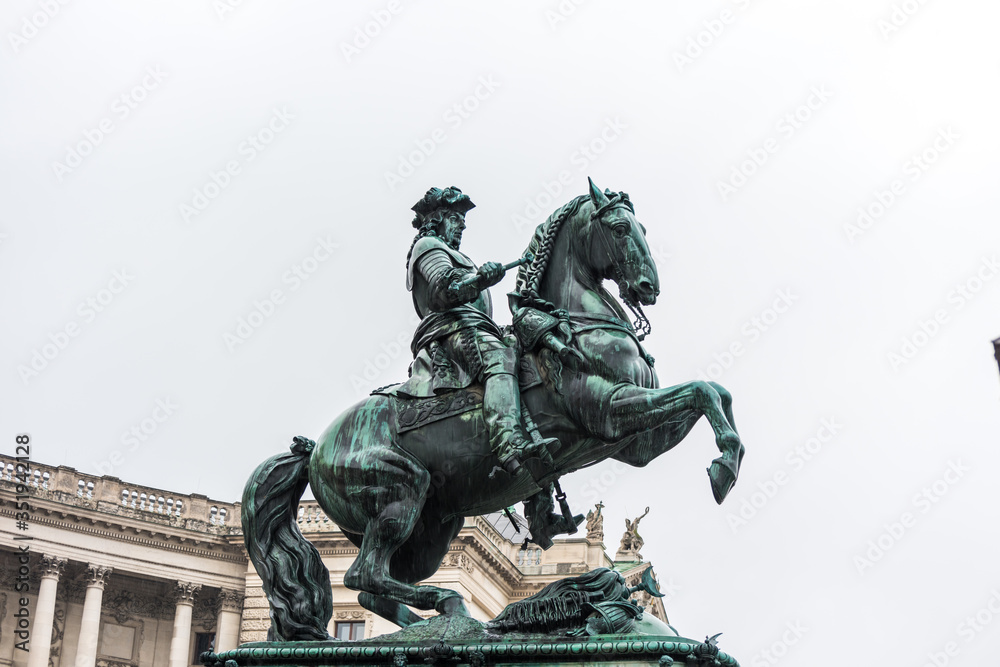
(677, 130)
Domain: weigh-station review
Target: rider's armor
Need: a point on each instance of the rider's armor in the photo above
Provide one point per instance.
(458, 343)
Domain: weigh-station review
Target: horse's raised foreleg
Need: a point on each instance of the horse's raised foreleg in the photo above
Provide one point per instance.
(627, 410)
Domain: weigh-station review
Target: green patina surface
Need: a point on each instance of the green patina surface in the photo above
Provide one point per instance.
(610, 650)
(402, 497)
(459, 639)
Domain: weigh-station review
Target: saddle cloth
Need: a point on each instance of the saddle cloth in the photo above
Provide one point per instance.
(412, 413)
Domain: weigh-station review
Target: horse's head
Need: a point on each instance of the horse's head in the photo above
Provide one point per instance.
(617, 248)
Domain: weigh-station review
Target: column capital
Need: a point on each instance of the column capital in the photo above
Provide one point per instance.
(97, 575)
(230, 600)
(185, 592)
(52, 566)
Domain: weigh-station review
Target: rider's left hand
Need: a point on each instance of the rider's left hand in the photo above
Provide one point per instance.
(573, 358)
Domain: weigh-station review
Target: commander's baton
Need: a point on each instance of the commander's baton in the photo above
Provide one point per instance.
(471, 280)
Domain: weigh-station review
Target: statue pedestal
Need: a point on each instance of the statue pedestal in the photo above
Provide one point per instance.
(459, 640)
(617, 651)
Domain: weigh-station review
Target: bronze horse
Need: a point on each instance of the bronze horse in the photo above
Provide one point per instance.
(402, 497)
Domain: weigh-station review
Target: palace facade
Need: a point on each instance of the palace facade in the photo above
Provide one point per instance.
(104, 573)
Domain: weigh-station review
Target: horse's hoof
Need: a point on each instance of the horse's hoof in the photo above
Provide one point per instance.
(723, 473)
(453, 604)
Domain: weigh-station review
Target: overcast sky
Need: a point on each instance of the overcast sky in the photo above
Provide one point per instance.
(206, 217)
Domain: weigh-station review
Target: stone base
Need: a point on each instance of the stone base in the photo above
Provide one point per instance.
(459, 640)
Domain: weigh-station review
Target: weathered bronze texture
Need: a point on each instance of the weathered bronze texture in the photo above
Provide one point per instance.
(585, 382)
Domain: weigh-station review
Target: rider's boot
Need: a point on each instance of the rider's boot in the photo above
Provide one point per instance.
(508, 439)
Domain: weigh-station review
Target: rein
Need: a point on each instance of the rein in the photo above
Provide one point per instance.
(578, 323)
(534, 271)
(641, 325)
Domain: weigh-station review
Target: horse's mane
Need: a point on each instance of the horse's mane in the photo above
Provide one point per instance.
(529, 276)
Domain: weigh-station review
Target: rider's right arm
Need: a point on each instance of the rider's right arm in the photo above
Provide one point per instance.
(443, 281)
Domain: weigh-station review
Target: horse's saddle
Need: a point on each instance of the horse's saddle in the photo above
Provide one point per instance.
(412, 413)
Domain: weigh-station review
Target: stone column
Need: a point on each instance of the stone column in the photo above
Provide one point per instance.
(90, 626)
(45, 610)
(227, 624)
(180, 642)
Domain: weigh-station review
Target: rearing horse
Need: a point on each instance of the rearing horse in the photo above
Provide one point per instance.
(402, 497)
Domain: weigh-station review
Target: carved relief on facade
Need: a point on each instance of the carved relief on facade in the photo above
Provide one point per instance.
(72, 585)
(124, 605)
(456, 559)
(8, 572)
(58, 630)
(3, 613)
(205, 612)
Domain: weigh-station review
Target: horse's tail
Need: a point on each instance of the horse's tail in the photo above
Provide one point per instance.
(296, 582)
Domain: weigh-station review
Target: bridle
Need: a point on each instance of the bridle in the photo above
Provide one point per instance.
(620, 200)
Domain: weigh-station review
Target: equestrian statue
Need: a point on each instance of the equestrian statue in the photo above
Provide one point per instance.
(488, 418)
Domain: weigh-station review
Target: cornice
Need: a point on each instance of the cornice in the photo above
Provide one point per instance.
(502, 568)
(131, 534)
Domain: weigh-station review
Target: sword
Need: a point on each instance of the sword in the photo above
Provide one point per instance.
(471, 280)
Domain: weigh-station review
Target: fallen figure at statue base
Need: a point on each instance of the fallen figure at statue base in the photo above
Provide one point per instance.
(590, 617)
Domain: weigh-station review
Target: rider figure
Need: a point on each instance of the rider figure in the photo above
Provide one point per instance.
(457, 337)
